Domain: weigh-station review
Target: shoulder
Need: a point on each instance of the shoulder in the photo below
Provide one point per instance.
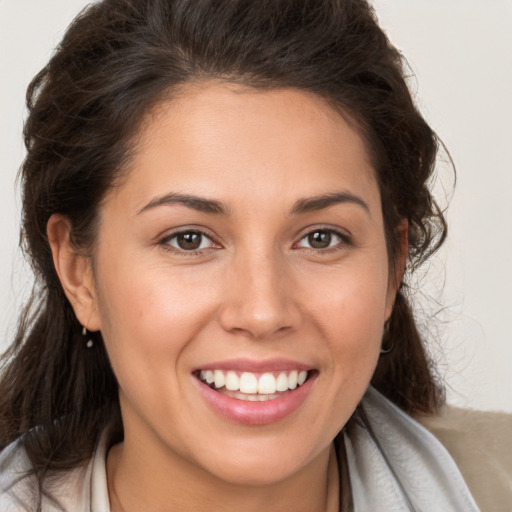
(480, 443)
(69, 489)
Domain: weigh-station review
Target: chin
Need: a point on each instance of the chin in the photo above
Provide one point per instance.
(261, 465)
(266, 472)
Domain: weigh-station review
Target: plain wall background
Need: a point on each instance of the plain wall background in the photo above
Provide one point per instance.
(461, 54)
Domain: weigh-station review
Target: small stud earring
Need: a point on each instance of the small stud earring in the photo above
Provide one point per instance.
(89, 343)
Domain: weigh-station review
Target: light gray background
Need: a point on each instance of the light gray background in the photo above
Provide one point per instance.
(461, 54)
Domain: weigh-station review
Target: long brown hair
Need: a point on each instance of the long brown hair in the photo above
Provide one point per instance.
(118, 59)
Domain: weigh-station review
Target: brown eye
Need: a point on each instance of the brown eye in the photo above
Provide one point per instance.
(321, 239)
(189, 241)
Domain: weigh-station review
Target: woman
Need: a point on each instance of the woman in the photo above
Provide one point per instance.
(222, 201)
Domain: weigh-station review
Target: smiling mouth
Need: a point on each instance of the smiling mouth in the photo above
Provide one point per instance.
(253, 387)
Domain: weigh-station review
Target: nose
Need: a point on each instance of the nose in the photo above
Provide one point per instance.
(259, 300)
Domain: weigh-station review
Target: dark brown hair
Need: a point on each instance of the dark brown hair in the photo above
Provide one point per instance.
(117, 61)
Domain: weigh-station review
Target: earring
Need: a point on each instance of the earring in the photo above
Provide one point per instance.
(386, 350)
(89, 343)
(385, 333)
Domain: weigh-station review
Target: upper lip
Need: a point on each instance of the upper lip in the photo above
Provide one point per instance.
(256, 366)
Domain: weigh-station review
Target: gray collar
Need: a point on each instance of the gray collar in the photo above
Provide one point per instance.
(396, 465)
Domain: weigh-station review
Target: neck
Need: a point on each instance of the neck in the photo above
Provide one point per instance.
(137, 482)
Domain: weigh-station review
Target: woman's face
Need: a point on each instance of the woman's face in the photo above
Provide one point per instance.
(246, 246)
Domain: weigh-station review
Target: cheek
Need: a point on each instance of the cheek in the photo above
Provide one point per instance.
(349, 305)
(152, 315)
(350, 315)
(353, 344)
(146, 324)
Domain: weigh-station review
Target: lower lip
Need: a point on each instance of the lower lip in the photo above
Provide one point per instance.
(256, 413)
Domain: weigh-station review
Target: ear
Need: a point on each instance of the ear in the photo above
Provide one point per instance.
(74, 271)
(397, 272)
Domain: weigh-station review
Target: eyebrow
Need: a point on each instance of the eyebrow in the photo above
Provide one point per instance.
(312, 204)
(212, 206)
(196, 203)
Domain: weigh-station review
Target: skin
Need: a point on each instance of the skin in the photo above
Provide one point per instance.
(255, 289)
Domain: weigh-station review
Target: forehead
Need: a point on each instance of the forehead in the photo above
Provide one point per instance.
(223, 139)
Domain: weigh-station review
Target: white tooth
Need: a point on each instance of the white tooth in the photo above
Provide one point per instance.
(202, 374)
(251, 398)
(292, 379)
(248, 383)
(219, 378)
(263, 398)
(282, 382)
(232, 381)
(208, 376)
(303, 375)
(267, 384)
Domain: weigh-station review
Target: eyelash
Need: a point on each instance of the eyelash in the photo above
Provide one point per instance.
(165, 242)
(343, 240)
